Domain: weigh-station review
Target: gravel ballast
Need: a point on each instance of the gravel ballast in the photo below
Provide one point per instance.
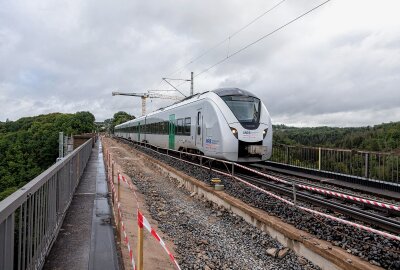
(377, 250)
(205, 235)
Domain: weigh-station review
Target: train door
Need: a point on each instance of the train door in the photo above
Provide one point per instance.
(199, 129)
(171, 132)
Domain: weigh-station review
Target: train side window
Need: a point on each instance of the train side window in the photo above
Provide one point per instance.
(179, 124)
(198, 123)
(187, 126)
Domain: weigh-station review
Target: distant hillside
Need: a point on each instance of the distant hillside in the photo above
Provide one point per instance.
(383, 137)
(29, 145)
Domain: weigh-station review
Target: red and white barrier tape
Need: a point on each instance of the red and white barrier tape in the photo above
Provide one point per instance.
(129, 247)
(353, 198)
(263, 174)
(359, 226)
(328, 192)
(123, 225)
(143, 222)
(121, 177)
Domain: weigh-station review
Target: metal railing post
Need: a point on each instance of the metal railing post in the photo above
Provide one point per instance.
(319, 158)
(7, 243)
(366, 165)
(287, 155)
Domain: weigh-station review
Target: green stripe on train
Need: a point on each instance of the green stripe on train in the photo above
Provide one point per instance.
(171, 132)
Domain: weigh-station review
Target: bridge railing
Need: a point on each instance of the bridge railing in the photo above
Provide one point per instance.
(381, 166)
(31, 217)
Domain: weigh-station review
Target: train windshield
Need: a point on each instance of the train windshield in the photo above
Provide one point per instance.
(245, 108)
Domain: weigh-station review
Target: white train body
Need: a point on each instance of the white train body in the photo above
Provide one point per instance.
(226, 123)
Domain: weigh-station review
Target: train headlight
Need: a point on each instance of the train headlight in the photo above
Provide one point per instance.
(265, 132)
(234, 132)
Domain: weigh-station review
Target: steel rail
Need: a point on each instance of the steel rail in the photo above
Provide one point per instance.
(298, 180)
(370, 218)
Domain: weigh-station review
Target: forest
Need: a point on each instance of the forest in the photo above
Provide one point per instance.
(29, 145)
(383, 137)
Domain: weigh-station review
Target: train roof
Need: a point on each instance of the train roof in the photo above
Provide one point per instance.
(220, 92)
(232, 92)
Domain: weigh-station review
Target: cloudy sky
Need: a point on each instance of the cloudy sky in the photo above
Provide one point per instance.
(337, 66)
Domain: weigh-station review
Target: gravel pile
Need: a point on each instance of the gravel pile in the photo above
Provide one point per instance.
(207, 236)
(376, 249)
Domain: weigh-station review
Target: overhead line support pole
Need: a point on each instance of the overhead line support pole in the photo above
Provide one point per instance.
(191, 83)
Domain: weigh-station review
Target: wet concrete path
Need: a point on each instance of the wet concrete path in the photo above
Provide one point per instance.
(86, 238)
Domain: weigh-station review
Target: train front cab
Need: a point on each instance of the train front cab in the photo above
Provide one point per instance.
(249, 123)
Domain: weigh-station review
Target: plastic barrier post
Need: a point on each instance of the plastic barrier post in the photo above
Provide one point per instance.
(112, 179)
(119, 198)
(140, 243)
(116, 200)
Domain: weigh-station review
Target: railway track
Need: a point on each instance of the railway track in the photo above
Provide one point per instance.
(354, 212)
(388, 206)
(335, 204)
(356, 183)
(317, 214)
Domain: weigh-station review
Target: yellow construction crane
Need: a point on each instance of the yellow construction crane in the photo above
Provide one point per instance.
(145, 96)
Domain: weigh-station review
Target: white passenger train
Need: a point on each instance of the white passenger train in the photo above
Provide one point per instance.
(226, 123)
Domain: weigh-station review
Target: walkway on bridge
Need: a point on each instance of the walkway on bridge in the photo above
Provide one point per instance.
(86, 239)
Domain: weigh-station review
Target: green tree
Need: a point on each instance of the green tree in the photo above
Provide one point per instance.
(118, 118)
(29, 145)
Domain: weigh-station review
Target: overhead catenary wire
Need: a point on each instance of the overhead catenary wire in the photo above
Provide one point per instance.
(258, 40)
(228, 38)
(261, 38)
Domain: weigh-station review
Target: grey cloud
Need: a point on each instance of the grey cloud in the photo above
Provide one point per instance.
(70, 56)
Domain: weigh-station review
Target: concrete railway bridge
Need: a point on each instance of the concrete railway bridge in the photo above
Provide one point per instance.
(74, 191)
